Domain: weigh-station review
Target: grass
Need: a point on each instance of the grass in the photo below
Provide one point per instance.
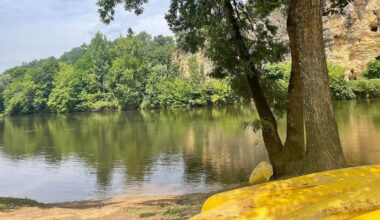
(166, 210)
(172, 211)
(176, 211)
(142, 211)
(11, 203)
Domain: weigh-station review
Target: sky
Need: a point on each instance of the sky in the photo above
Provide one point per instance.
(35, 29)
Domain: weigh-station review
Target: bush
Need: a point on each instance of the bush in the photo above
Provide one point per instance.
(373, 70)
(221, 92)
(340, 88)
(278, 71)
(179, 92)
(97, 102)
(366, 88)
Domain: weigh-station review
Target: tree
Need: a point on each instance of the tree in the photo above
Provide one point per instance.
(100, 58)
(28, 88)
(19, 96)
(239, 38)
(195, 70)
(133, 71)
(67, 85)
(373, 70)
(244, 46)
(43, 78)
(128, 80)
(305, 28)
(74, 54)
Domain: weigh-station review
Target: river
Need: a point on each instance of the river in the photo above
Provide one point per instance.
(67, 157)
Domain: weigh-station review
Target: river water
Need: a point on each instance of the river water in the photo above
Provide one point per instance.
(56, 158)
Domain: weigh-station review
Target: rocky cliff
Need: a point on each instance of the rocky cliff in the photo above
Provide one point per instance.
(353, 39)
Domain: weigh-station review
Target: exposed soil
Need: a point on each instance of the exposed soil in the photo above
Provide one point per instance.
(152, 207)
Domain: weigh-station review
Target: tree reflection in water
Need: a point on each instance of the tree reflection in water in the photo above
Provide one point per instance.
(157, 152)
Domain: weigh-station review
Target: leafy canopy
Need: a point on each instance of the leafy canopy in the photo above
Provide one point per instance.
(137, 70)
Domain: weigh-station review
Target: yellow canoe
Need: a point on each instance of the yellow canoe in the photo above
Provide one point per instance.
(351, 193)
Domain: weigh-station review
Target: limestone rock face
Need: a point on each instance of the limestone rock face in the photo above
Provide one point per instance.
(182, 59)
(353, 39)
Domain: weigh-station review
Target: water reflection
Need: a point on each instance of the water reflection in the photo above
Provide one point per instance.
(359, 124)
(55, 158)
(203, 149)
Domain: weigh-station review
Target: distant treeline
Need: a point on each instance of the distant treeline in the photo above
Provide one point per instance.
(139, 71)
(133, 71)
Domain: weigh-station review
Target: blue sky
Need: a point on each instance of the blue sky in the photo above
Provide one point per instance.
(35, 29)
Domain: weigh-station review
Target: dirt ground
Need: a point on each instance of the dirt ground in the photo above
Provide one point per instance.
(167, 207)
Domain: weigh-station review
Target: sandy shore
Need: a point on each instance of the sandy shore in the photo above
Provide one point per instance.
(152, 207)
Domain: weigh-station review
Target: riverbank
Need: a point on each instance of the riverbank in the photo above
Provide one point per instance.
(151, 207)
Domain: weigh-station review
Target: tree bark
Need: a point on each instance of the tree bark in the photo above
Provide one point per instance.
(271, 138)
(310, 106)
(323, 147)
(294, 148)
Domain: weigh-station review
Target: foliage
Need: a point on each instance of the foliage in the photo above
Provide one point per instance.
(74, 54)
(275, 71)
(195, 70)
(130, 72)
(100, 59)
(340, 87)
(366, 88)
(64, 96)
(19, 96)
(127, 81)
(373, 70)
(199, 24)
(335, 6)
(12, 203)
(164, 92)
(28, 88)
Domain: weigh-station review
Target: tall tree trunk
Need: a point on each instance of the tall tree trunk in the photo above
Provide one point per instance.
(323, 147)
(294, 148)
(271, 138)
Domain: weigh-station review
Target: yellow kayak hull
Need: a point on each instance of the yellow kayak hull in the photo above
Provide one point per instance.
(351, 193)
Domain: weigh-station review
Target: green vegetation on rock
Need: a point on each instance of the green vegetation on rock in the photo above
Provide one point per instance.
(373, 70)
(341, 88)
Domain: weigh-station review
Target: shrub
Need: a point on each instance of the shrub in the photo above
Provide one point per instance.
(221, 92)
(340, 88)
(278, 71)
(97, 102)
(373, 70)
(366, 88)
(179, 92)
(275, 71)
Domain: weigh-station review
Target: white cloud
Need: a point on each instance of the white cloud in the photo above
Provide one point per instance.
(35, 29)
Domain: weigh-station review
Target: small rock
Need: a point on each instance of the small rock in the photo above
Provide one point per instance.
(261, 174)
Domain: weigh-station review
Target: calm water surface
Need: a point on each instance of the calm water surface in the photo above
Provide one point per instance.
(55, 158)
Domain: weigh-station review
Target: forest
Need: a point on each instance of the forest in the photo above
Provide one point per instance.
(141, 71)
(133, 71)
